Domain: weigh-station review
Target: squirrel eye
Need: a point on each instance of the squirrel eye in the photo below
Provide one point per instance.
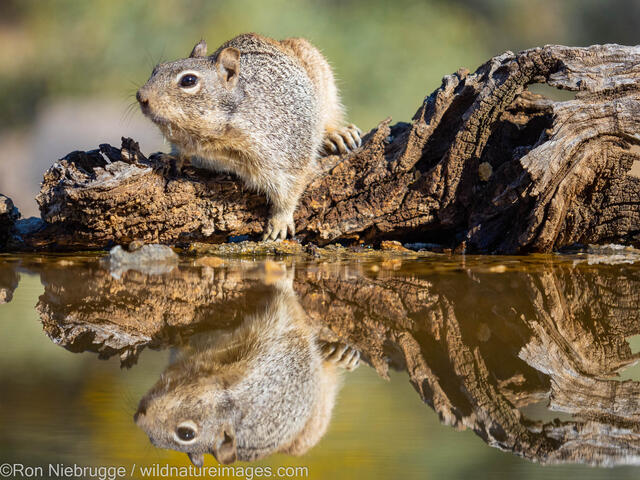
(185, 433)
(188, 80)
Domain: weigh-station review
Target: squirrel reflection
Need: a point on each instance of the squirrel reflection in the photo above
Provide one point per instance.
(268, 386)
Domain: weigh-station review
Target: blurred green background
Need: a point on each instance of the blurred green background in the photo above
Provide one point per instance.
(70, 67)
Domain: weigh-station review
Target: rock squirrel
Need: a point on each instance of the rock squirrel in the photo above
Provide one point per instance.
(262, 109)
(268, 386)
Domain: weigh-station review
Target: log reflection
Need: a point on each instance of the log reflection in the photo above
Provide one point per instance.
(479, 340)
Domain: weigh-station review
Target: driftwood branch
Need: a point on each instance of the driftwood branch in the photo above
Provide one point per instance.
(554, 336)
(485, 165)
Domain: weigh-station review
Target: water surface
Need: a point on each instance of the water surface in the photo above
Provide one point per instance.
(470, 367)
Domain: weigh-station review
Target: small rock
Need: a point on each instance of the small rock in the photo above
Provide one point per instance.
(461, 248)
(393, 245)
(7, 208)
(149, 259)
(313, 250)
(135, 245)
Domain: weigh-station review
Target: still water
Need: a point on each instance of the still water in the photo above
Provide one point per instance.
(438, 367)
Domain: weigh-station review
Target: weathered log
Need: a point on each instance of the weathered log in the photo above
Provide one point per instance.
(144, 310)
(485, 165)
(477, 347)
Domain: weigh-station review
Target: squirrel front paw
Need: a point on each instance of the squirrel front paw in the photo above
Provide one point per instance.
(278, 226)
(342, 355)
(342, 140)
(168, 165)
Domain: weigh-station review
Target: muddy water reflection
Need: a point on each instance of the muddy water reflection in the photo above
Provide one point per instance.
(481, 339)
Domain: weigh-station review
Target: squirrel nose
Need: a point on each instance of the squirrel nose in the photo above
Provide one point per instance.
(142, 99)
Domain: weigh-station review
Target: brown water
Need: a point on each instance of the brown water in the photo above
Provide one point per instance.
(470, 367)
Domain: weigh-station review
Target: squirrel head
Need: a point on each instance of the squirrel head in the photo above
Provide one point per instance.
(189, 417)
(215, 397)
(193, 96)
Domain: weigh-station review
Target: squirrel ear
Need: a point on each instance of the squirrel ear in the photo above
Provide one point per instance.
(224, 447)
(197, 459)
(200, 50)
(228, 64)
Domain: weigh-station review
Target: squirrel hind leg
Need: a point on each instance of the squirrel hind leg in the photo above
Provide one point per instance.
(331, 110)
(341, 140)
(341, 355)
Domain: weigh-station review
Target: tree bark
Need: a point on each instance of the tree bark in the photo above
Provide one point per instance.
(484, 166)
